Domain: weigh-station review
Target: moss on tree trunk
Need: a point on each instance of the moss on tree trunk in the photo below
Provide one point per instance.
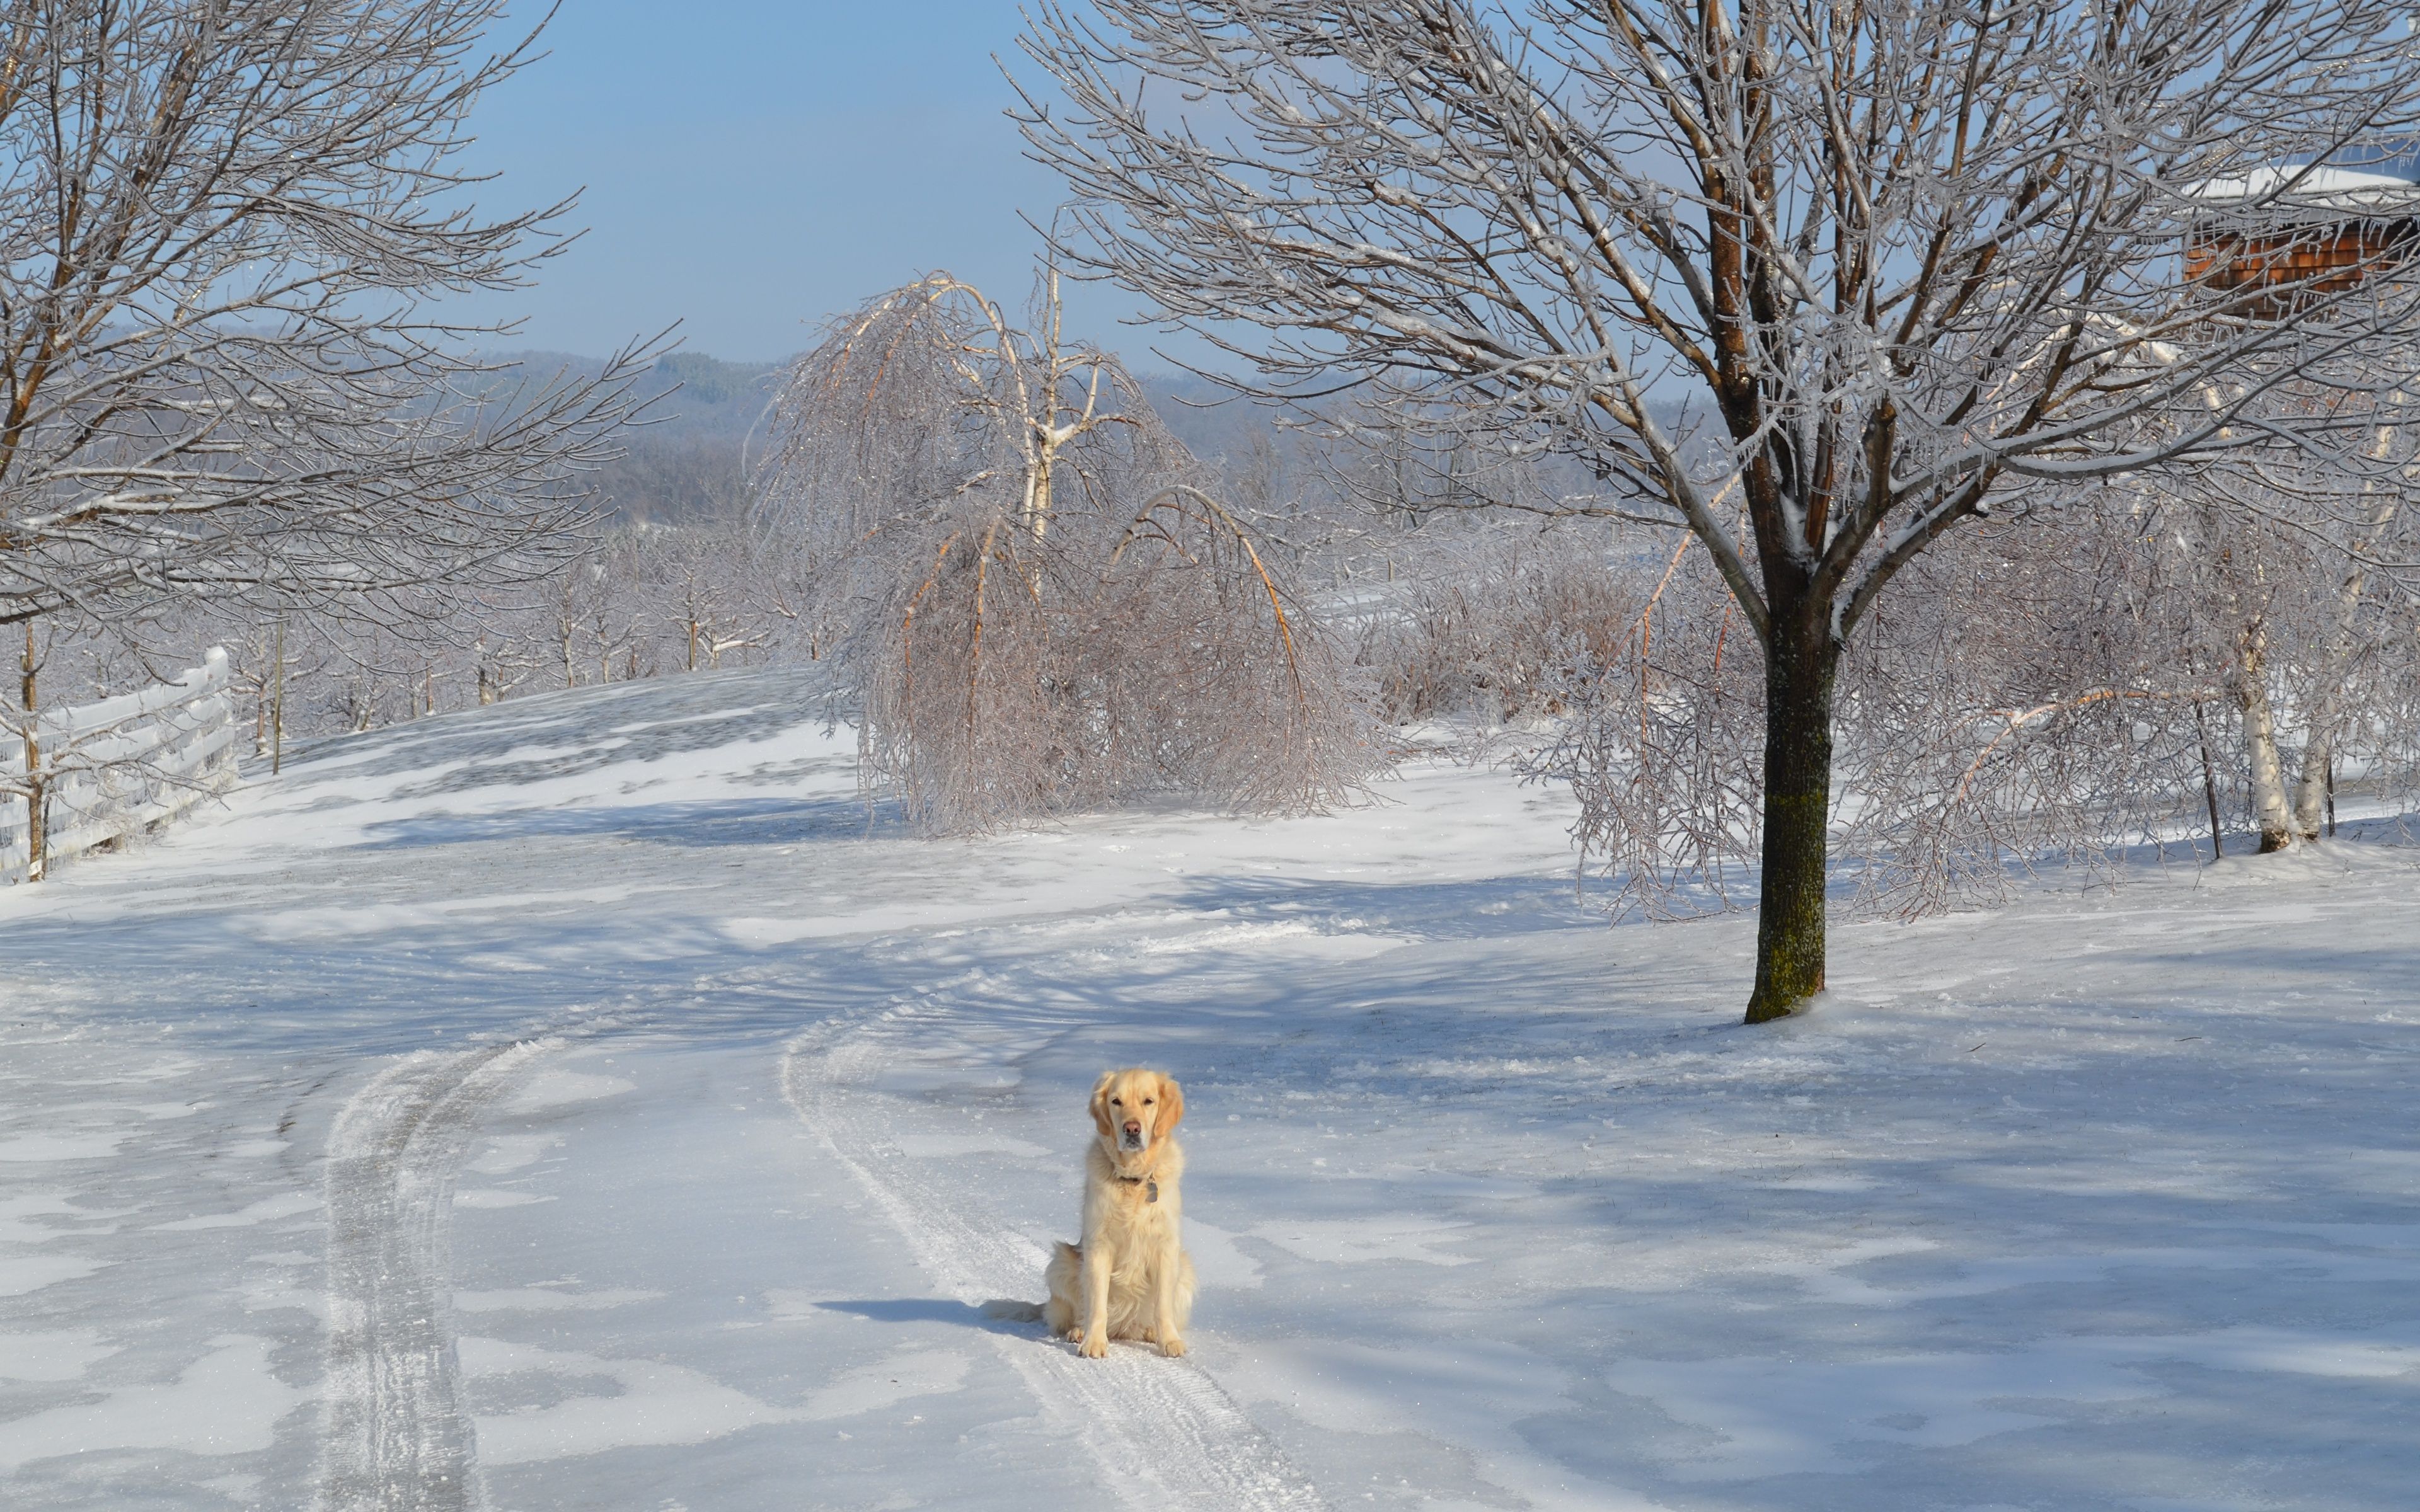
(1801, 663)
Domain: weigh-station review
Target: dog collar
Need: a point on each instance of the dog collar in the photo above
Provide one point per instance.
(1150, 1182)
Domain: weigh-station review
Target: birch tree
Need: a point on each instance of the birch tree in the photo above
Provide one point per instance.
(2285, 582)
(1901, 266)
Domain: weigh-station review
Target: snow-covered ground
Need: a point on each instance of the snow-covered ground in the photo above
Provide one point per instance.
(580, 1104)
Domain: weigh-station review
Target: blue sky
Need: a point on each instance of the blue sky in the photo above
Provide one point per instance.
(752, 167)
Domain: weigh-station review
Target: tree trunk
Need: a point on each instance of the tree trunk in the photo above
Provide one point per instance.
(2314, 793)
(1037, 495)
(2313, 788)
(1801, 663)
(2269, 810)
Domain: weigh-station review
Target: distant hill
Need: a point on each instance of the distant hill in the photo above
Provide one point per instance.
(1215, 425)
(705, 417)
(685, 457)
(707, 393)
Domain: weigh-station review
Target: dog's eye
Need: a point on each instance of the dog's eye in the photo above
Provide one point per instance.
(1117, 1103)
(1146, 1101)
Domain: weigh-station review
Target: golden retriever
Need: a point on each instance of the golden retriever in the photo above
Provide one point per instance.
(1130, 1278)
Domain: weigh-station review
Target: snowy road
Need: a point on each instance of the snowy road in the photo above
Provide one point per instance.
(581, 1104)
(1160, 1432)
(397, 1437)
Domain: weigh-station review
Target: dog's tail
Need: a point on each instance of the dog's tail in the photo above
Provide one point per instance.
(1009, 1310)
(1060, 1277)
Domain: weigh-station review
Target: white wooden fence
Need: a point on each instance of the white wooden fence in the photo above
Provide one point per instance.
(113, 769)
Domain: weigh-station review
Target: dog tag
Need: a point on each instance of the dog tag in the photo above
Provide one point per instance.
(1151, 1191)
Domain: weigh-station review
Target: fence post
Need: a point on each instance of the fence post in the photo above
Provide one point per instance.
(221, 680)
(36, 794)
(2209, 786)
(277, 707)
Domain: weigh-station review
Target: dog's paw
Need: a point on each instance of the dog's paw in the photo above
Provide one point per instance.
(1172, 1346)
(1096, 1348)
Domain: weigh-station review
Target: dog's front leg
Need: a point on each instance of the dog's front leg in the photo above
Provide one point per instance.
(1164, 1277)
(1095, 1343)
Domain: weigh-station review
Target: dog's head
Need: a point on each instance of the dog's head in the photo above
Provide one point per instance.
(1135, 1110)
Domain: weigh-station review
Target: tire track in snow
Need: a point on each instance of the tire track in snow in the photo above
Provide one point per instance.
(1162, 1430)
(396, 1438)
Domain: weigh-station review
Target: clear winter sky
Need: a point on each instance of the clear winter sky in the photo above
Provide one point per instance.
(753, 167)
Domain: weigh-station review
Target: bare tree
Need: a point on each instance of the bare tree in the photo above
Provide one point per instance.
(1493, 623)
(224, 226)
(697, 582)
(1917, 264)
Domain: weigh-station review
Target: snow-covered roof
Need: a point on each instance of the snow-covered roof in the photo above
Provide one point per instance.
(2362, 179)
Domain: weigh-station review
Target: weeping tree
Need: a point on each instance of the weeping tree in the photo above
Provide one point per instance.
(1044, 603)
(1879, 271)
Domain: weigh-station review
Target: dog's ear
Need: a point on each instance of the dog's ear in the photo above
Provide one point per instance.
(1101, 1102)
(1171, 1099)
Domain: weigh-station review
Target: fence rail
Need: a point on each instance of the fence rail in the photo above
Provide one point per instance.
(113, 769)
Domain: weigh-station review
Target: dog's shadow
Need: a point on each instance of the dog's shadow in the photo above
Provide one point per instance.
(1018, 1319)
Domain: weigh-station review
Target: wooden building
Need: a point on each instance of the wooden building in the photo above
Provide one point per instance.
(2286, 235)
